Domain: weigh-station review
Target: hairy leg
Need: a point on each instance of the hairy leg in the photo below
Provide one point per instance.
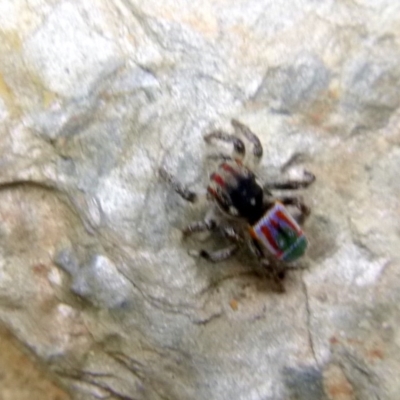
(297, 202)
(219, 157)
(275, 272)
(218, 255)
(200, 226)
(251, 137)
(238, 145)
(232, 234)
(293, 184)
(179, 188)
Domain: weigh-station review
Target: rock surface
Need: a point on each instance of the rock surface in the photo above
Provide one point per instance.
(94, 276)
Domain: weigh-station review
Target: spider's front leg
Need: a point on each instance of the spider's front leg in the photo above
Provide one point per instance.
(239, 149)
(179, 188)
(251, 137)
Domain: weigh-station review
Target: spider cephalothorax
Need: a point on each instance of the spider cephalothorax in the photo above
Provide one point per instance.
(247, 212)
(234, 188)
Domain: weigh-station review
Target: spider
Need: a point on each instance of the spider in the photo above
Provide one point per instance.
(245, 211)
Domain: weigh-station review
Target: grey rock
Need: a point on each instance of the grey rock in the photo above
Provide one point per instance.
(98, 281)
(69, 56)
(371, 81)
(287, 89)
(306, 383)
(95, 277)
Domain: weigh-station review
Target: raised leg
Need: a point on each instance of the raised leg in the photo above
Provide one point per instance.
(309, 178)
(183, 191)
(238, 145)
(250, 136)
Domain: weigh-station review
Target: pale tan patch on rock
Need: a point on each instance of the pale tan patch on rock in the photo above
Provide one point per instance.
(20, 377)
(336, 385)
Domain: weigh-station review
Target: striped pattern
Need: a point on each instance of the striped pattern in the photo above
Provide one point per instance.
(226, 178)
(280, 234)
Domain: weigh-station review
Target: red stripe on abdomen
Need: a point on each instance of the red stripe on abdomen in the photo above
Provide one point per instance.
(284, 217)
(266, 232)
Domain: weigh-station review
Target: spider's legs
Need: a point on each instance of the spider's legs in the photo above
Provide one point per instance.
(270, 269)
(183, 191)
(200, 226)
(254, 247)
(218, 255)
(295, 201)
(241, 129)
(231, 233)
(275, 272)
(222, 254)
(238, 145)
(308, 179)
(219, 157)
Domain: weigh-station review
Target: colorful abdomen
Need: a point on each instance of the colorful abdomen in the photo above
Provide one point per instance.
(280, 234)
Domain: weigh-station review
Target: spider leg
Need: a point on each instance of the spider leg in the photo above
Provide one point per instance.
(219, 157)
(231, 233)
(295, 201)
(200, 226)
(218, 255)
(179, 188)
(296, 158)
(222, 254)
(271, 270)
(254, 248)
(238, 145)
(239, 128)
(309, 178)
(274, 272)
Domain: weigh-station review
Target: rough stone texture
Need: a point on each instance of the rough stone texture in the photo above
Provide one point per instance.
(20, 378)
(94, 277)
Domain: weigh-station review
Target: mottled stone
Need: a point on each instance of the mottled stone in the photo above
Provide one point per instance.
(95, 277)
(21, 378)
(287, 89)
(99, 281)
(67, 54)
